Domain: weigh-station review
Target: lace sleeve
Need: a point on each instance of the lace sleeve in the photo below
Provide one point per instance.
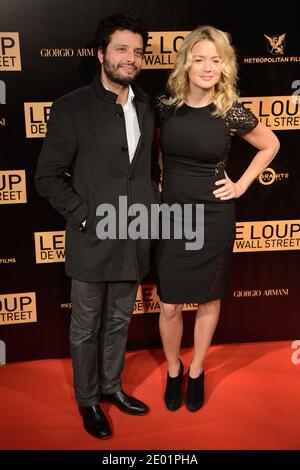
(163, 111)
(240, 120)
(160, 106)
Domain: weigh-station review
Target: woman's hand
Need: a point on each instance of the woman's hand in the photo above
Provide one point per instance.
(229, 189)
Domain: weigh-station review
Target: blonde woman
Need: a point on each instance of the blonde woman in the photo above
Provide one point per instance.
(197, 122)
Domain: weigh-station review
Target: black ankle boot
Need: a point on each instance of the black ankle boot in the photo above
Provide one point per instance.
(173, 393)
(195, 392)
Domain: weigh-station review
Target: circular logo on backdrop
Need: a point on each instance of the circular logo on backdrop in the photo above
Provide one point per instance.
(267, 176)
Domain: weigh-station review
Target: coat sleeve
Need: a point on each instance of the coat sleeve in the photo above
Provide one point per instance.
(54, 164)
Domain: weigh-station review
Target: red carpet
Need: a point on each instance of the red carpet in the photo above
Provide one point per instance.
(252, 402)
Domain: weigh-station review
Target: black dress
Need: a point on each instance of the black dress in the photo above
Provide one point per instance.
(195, 147)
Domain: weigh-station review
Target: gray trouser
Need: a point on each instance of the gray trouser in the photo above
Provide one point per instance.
(98, 336)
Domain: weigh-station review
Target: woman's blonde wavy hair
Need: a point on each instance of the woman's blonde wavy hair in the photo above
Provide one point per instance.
(225, 90)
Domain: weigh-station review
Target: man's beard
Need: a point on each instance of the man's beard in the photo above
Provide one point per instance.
(111, 71)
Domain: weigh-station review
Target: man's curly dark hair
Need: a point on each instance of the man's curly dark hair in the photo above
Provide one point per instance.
(110, 24)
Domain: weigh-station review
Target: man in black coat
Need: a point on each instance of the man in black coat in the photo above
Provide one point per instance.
(98, 148)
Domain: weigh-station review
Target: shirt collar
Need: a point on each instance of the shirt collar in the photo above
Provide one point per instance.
(131, 94)
(103, 94)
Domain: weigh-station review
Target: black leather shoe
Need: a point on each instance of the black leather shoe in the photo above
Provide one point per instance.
(195, 392)
(95, 422)
(173, 393)
(126, 403)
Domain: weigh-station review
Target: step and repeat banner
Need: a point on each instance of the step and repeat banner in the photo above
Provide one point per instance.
(46, 50)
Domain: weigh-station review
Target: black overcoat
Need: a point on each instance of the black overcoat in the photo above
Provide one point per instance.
(84, 162)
